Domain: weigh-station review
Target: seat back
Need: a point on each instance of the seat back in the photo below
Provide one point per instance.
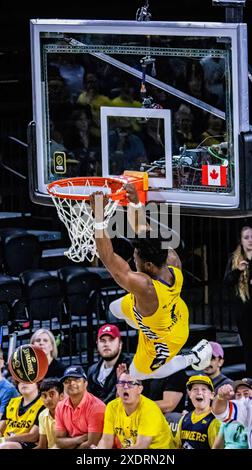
(11, 303)
(82, 299)
(81, 290)
(42, 294)
(20, 251)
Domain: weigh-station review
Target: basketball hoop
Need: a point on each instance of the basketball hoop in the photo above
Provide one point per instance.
(71, 198)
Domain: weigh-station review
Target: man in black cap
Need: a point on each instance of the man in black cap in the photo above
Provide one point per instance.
(79, 417)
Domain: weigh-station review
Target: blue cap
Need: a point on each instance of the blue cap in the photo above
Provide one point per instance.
(74, 371)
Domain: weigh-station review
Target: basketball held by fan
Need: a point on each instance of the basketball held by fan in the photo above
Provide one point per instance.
(28, 364)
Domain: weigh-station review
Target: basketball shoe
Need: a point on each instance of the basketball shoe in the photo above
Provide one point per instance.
(199, 357)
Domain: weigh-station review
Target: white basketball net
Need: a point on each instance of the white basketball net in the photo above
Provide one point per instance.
(78, 218)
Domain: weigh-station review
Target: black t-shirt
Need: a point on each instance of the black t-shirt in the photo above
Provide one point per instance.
(154, 388)
(106, 391)
(55, 369)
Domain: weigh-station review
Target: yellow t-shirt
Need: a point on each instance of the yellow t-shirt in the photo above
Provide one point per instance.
(21, 424)
(146, 420)
(46, 427)
(163, 334)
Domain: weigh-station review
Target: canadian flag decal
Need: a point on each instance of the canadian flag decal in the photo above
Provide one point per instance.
(214, 175)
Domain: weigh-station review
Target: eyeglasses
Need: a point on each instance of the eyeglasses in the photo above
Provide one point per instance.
(129, 383)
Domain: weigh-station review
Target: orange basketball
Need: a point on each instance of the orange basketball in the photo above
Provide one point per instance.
(28, 364)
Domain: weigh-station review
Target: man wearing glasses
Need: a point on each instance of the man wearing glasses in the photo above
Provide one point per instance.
(133, 421)
(78, 417)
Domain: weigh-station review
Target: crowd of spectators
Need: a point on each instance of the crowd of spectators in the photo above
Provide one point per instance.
(104, 407)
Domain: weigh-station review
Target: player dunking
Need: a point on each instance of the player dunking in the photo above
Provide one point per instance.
(153, 305)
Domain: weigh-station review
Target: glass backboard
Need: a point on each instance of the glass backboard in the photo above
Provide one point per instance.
(125, 143)
(180, 89)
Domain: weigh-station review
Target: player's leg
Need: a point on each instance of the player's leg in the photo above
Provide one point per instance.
(116, 309)
(199, 357)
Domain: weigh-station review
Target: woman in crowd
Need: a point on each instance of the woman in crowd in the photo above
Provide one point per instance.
(238, 277)
(45, 340)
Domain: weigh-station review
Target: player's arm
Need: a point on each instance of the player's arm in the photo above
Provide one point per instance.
(173, 259)
(119, 268)
(135, 211)
(115, 264)
(136, 216)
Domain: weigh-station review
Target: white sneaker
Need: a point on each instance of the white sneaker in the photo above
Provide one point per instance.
(203, 352)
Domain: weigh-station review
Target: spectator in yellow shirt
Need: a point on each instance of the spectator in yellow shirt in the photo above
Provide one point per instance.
(133, 421)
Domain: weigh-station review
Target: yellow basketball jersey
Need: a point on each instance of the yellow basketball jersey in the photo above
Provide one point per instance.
(146, 420)
(163, 334)
(20, 424)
